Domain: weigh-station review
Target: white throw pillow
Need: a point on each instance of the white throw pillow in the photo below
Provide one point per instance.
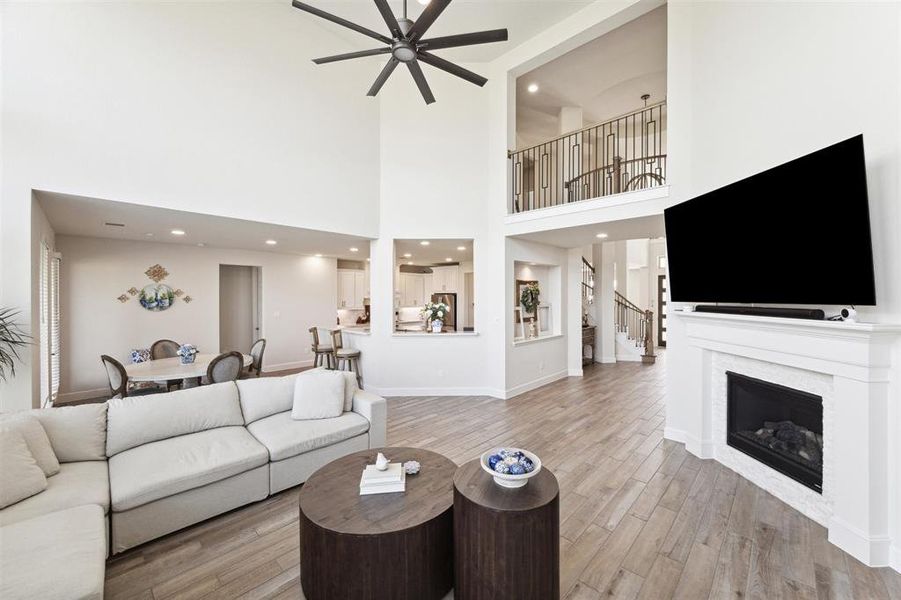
(20, 475)
(318, 395)
(36, 438)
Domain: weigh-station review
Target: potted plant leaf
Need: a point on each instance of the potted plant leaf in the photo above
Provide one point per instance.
(12, 340)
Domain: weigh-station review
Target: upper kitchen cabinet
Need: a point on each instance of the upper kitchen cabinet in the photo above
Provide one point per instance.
(445, 279)
(352, 288)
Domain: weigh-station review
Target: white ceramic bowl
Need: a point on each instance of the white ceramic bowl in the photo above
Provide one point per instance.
(506, 480)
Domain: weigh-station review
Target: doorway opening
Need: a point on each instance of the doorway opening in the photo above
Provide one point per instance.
(240, 303)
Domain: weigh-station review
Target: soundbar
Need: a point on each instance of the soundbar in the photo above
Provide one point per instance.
(814, 314)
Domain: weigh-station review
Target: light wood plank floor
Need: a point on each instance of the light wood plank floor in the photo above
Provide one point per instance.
(640, 516)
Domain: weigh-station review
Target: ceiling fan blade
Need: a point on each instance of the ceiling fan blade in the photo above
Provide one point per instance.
(344, 22)
(390, 19)
(421, 83)
(463, 39)
(444, 65)
(349, 55)
(425, 20)
(383, 77)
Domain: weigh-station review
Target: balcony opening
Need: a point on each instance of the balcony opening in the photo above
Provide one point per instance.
(592, 123)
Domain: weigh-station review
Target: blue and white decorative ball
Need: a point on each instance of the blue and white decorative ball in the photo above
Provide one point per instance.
(512, 463)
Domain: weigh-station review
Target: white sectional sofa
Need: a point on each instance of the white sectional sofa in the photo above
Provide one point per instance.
(134, 469)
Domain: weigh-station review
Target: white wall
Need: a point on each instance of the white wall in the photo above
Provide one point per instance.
(536, 363)
(297, 293)
(198, 106)
(434, 184)
(752, 85)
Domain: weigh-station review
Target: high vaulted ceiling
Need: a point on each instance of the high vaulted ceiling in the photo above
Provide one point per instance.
(605, 77)
(522, 18)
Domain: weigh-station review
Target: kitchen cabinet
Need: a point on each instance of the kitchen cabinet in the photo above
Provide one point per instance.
(412, 289)
(351, 289)
(444, 279)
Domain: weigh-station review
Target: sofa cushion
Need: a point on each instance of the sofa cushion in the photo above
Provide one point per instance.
(318, 396)
(265, 396)
(76, 432)
(167, 467)
(36, 438)
(57, 556)
(20, 475)
(76, 484)
(285, 437)
(139, 420)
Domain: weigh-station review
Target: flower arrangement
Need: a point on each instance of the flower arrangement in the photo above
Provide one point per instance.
(186, 353)
(140, 355)
(434, 313)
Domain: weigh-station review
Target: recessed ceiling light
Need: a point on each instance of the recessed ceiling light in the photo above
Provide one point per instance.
(533, 87)
(354, 249)
(201, 244)
(601, 236)
(368, 259)
(461, 248)
(533, 264)
(408, 255)
(424, 2)
(318, 256)
(148, 234)
(177, 232)
(271, 242)
(410, 263)
(448, 260)
(424, 243)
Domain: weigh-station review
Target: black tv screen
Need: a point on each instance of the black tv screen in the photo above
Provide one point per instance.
(798, 233)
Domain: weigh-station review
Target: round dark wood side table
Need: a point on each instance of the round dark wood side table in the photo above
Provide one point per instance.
(387, 546)
(506, 541)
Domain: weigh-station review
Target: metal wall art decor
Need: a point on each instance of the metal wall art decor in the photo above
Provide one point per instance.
(155, 296)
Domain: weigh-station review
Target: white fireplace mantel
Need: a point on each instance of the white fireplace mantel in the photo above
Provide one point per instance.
(851, 365)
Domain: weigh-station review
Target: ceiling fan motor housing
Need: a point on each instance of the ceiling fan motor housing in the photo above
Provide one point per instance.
(403, 51)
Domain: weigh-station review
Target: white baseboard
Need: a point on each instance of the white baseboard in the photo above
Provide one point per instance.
(676, 435)
(576, 372)
(606, 360)
(82, 395)
(895, 558)
(287, 366)
(872, 551)
(536, 383)
(627, 358)
(450, 391)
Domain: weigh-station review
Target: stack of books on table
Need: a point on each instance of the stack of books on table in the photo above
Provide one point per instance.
(392, 479)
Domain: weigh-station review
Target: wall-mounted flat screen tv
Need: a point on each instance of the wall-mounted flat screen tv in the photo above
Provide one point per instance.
(798, 233)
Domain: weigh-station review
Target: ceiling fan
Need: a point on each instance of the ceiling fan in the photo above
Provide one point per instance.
(406, 44)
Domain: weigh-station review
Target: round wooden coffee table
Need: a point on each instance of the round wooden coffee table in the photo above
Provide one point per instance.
(393, 546)
(506, 541)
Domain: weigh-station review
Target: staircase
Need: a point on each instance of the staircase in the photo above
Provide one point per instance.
(634, 331)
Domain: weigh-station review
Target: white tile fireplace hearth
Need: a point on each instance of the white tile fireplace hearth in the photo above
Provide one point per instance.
(851, 367)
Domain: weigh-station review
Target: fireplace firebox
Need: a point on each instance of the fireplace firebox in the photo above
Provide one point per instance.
(777, 425)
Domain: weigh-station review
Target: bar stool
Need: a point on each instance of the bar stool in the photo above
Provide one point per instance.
(350, 356)
(321, 352)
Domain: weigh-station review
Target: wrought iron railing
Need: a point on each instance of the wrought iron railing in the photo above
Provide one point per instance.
(622, 155)
(636, 323)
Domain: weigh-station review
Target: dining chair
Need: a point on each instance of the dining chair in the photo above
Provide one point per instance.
(320, 351)
(349, 356)
(118, 380)
(256, 353)
(225, 367)
(164, 349)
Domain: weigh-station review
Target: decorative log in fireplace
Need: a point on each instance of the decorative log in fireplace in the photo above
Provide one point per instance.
(777, 425)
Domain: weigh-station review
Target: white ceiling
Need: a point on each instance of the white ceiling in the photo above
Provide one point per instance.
(437, 252)
(522, 18)
(77, 215)
(606, 77)
(584, 235)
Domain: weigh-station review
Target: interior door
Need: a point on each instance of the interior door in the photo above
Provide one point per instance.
(237, 304)
(661, 311)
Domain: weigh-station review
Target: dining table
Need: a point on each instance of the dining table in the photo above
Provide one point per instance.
(169, 369)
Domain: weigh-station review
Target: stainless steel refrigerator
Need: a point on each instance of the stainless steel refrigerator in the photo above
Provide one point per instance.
(450, 321)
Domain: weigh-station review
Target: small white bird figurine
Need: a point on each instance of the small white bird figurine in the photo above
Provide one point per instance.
(381, 463)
